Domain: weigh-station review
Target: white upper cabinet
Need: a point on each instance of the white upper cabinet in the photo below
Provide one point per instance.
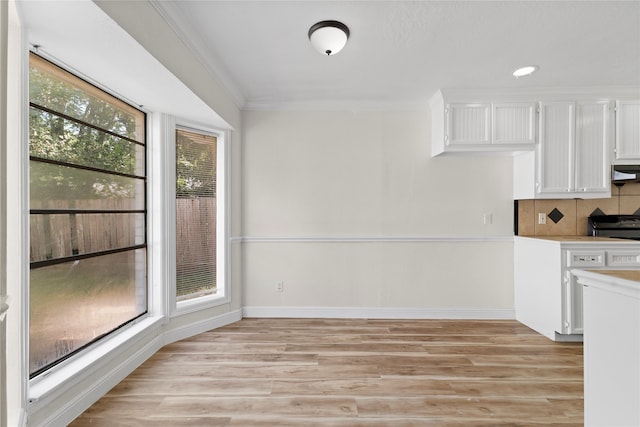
(593, 170)
(572, 160)
(468, 124)
(627, 147)
(486, 126)
(555, 165)
(514, 123)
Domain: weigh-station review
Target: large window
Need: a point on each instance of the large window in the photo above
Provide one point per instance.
(87, 214)
(196, 219)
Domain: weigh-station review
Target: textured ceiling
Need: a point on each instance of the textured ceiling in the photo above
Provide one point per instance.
(401, 52)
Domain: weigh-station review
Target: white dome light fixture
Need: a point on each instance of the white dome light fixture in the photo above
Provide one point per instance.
(328, 37)
(525, 71)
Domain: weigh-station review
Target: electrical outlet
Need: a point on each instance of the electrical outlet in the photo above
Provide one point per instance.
(280, 287)
(542, 218)
(487, 218)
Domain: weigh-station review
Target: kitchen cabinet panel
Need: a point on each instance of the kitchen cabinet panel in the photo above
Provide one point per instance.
(483, 126)
(468, 124)
(611, 348)
(514, 123)
(627, 147)
(548, 297)
(592, 133)
(556, 147)
(572, 159)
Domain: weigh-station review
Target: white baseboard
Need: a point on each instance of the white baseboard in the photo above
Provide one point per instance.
(192, 329)
(73, 408)
(380, 313)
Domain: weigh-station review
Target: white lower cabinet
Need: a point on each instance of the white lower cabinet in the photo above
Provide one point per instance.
(611, 348)
(548, 297)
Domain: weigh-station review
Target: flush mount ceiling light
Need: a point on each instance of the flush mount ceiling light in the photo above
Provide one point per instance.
(525, 71)
(328, 37)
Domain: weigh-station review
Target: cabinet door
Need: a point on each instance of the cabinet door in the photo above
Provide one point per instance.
(592, 147)
(514, 123)
(572, 317)
(556, 165)
(468, 124)
(628, 130)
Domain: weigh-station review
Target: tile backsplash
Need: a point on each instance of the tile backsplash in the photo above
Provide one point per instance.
(568, 217)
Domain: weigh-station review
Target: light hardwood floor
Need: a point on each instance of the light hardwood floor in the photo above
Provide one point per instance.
(314, 372)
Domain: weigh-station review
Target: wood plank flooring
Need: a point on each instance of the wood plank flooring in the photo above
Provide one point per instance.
(332, 372)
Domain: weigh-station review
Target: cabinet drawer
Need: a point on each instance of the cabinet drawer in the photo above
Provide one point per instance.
(586, 258)
(623, 259)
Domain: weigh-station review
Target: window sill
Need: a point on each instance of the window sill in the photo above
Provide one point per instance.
(198, 304)
(74, 370)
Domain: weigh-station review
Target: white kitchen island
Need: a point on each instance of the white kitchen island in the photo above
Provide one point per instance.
(611, 347)
(548, 298)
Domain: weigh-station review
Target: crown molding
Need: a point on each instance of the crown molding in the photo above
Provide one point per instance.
(179, 24)
(537, 93)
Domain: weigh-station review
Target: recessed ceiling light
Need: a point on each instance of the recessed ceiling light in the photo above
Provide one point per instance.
(525, 71)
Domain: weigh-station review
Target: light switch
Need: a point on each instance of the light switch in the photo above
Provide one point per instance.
(542, 218)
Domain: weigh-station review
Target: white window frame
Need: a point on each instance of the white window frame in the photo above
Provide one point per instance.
(70, 371)
(178, 308)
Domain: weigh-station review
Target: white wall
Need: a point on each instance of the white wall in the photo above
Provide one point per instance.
(71, 387)
(4, 39)
(349, 210)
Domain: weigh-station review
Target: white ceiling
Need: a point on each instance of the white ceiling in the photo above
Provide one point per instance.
(398, 55)
(108, 57)
(401, 52)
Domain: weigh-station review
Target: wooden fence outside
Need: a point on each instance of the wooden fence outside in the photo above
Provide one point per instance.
(62, 235)
(195, 218)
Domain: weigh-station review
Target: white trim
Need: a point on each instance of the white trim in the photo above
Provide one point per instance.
(52, 386)
(80, 367)
(373, 239)
(561, 93)
(4, 306)
(452, 95)
(76, 406)
(608, 281)
(197, 304)
(24, 218)
(202, 326)
(22, 418)
(158, 220)
(336, 104)
(184, 30)
(178, 308)
(379, 313)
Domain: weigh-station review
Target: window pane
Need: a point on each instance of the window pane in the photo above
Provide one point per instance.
(63, 187)
(195, 214)
(87, 220)
(61, 91)
(73, 304)
(54, 138)
(64, 235)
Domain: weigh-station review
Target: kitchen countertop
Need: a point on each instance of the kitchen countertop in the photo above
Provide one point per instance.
(611, 347)
(576, 238)
(581, 239)
(625, 282)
